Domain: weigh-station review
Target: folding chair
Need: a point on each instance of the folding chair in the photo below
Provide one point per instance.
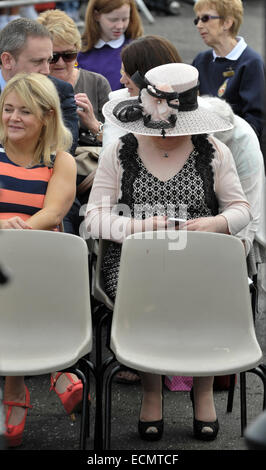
(45, 308)
(182, 308)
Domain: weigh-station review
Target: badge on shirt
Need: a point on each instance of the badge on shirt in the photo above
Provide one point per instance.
(222, 89)
(229, 73)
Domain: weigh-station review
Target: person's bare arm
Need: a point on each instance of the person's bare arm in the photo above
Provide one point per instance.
(59, 196)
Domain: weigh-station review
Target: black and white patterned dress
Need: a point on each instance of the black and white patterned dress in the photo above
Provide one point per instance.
(146, 195)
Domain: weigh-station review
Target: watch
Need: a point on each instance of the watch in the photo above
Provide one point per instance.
(100, 130)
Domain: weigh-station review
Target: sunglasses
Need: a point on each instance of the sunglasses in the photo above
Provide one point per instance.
(66, 56)
(205, 18)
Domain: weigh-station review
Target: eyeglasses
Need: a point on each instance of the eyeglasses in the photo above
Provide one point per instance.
(66, 56)
(205, 18)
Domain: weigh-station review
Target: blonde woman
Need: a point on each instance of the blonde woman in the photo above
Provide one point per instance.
(38, 181)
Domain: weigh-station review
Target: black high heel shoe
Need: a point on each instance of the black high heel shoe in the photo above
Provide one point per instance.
(204, 430)
(152, 435)
(155, 435)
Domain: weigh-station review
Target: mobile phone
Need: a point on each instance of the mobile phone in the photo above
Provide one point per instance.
(176, 221)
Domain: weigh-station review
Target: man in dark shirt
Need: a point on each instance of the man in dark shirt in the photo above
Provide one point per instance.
(26, 46)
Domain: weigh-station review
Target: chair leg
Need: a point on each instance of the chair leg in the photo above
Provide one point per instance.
(89, 367)
(254, 296)
(231, 393)
(85, 407)
(108, 405)
(85, 416)
(260, 371)
(101, 316)
(263, 367)
(243, 402)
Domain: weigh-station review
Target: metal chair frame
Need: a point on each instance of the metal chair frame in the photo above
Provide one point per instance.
(102, 307)
(260, 371)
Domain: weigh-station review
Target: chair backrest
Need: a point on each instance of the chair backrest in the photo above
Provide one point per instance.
(189, 295)
(45, 307)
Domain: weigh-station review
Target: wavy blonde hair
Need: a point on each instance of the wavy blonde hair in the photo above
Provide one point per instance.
(61, 27)
(226, 9)
(92, 31)
(40, 96)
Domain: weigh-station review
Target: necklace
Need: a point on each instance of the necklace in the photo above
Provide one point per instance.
(170, 149)
(166, 149)
(29, 164)
(164, 152)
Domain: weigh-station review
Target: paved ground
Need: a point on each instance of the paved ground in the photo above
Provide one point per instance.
(49, 429)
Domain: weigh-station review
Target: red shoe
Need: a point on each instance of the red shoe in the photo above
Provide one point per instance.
(14, 433)
(72, 398)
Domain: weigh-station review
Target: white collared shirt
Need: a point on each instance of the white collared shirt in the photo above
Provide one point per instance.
(2, 81)
(115, 43)
(236, 51)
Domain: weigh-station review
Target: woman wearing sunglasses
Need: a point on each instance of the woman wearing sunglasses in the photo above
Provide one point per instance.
(230, 69)
(91, 89)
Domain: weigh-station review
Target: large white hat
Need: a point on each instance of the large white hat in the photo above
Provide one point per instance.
(167, 105)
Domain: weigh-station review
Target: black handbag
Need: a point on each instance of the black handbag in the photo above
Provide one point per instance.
(87, 139)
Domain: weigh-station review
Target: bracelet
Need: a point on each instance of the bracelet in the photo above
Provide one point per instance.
(100, 130)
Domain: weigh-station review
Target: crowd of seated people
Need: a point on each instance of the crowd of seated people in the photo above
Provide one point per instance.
(77, 82)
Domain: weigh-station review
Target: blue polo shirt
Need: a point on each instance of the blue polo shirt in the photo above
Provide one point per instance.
(239, 78)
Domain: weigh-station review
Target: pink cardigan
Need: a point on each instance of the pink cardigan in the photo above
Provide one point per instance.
(106, 190)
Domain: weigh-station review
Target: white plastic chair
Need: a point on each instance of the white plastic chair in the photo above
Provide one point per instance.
(45, 307)
(182, 309)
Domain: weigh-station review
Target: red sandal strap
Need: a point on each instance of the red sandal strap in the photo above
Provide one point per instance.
(26, 404)
(14, 403)
(54, 379)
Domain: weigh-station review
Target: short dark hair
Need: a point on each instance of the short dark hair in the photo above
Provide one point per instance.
(148, 52)
(14, 35)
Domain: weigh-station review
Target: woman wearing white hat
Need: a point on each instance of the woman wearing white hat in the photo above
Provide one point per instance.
(165, 159)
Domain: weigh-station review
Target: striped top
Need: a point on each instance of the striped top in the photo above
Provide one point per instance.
(22, 190)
